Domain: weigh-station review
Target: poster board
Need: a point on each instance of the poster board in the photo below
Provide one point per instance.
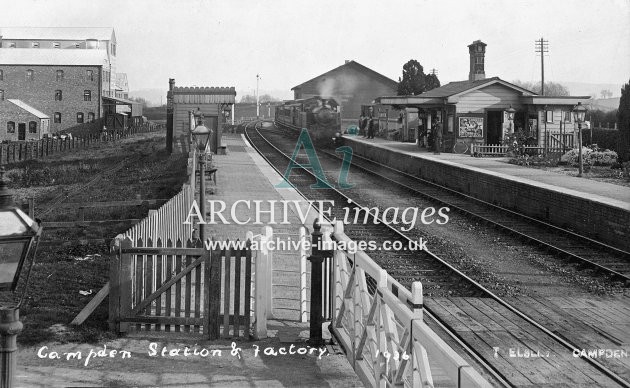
(471, 127)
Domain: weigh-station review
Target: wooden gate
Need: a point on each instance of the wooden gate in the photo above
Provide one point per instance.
(180, 289)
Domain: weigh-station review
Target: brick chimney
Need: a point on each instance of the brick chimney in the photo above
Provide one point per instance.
(477, 52)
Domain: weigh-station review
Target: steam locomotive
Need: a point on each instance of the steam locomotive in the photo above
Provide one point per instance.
(320, 116)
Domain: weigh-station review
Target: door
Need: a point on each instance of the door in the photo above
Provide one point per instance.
(22, 131)
(495, 127)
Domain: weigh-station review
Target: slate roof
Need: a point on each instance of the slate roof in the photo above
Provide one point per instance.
(457, 87)
(31, 56)
(357, 66)
(28, 108)
(56, 33)
(204, 90)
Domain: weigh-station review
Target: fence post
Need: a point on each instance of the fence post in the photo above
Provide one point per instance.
(303, 276)
(266, 235)
(114, 292)
(260, 312)
(335, 290)
(207, 319)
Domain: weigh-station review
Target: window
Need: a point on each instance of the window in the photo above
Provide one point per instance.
(1, 95)
(479, 60)
(58, 95)
(35, 44)
(10, 127)
(549, 115)
(80, 117)
(32, 127)
(56, 45)
(89, 74)
(1, 75)
(567, 116)
(57, 117)
(90, 117)
(30, 74)
(59, 75)
(87, 95)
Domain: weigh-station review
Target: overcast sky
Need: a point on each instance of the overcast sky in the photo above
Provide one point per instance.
(226, 43)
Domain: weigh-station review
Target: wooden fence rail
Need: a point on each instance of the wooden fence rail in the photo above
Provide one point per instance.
(18, 151)
(387, 320)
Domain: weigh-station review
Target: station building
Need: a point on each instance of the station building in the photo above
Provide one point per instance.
(475, 110)
(186, 105)
(351, 85)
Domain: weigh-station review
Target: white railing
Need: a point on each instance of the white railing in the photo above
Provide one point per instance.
(262, 294)
(166, 223)
(383, 333)
(488, 149)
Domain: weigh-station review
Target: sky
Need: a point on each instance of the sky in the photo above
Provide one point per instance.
(287, 42)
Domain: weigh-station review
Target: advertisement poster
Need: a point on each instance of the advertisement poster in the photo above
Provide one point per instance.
(205, 193)
(471, 127)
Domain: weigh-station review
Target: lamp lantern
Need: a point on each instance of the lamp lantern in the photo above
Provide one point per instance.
(227, 111)
(17, 232)
(510, 116)
(201, 135)
(510, 113)
(579, 113)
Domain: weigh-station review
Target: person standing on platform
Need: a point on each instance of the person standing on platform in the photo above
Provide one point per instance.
(364, 125)
(421, 134)
(371, 123)
(438, 137)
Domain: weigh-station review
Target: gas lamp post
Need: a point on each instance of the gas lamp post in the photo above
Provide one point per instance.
(18, 232)
(201, 137)
(579, 112)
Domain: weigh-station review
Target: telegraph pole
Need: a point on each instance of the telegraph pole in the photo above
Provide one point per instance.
(542, 47)
(257, 94)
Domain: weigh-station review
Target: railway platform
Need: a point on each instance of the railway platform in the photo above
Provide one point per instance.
(241, 175)
(596, 209)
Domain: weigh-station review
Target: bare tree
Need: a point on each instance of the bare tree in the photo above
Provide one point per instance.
(551, 88)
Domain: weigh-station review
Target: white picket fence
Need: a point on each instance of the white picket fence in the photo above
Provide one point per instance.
(386, 341)
(167, 222)
(488, 149)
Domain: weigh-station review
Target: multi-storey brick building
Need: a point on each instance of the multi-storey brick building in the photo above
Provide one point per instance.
(65, 85)
(68, 38)
(66, 74)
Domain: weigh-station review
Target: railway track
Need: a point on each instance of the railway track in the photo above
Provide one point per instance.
(584, 252)
(435, 273)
